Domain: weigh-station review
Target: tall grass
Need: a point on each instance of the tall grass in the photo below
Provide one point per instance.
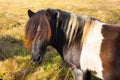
(15, 61)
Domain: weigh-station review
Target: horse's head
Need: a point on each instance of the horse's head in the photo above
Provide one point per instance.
(38, 34)
(42, 29)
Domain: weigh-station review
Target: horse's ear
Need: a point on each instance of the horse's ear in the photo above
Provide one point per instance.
(30, 13)
(48, 13)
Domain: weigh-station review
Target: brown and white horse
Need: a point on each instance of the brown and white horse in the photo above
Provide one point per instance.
(86, 44)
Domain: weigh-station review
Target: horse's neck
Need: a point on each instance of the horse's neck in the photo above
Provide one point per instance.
(58, 41)
(59, 48)
(63, 35)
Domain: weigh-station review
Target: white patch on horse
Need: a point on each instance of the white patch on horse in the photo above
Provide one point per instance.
(90, 54)
(72, 27)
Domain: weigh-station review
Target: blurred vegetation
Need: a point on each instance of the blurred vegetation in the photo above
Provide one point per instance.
(15, 61)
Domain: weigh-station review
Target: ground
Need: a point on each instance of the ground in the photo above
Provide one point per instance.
(15, 63)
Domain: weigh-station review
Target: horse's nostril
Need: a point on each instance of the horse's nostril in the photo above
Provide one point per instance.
(36, 59)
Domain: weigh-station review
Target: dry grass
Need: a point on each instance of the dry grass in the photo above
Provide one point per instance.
(15, 61)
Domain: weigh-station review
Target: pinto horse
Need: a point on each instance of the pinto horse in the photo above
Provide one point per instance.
(85, 44)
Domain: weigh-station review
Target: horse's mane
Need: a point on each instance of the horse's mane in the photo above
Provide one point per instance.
(33, 28)
(78, 25)
(72, 25)
(89, 24)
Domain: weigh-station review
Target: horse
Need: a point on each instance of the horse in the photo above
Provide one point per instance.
(87, 45)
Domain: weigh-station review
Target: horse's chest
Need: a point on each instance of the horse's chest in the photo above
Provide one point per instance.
(71, 56)
(90, 55)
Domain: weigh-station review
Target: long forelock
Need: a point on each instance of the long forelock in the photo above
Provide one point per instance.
(36, 27)
(31, 29)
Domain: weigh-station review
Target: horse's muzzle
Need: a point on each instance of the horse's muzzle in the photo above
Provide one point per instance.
(37, 59)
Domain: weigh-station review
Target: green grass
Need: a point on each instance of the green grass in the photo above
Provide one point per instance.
(15, 61)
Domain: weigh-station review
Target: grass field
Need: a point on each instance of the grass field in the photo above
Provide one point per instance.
(15, 61)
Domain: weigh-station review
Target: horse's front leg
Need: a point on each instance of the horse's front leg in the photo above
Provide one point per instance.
(77, 74)
(71, 57)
